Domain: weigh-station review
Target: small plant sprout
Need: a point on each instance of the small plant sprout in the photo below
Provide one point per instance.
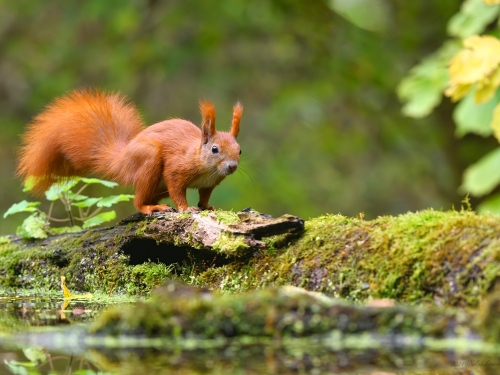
(88, 209)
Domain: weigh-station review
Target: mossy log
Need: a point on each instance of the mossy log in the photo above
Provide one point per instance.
(138, 253)
(450, 258)
(447, 258)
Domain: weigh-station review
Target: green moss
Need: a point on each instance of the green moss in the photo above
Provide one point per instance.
(89, 264)
(227, 217)
(5, 240)
(177, 312)
(425, 256)
(141, 227)
(229, 245)
(184, 215)
(205, 213)
(414, 253)
(450, 257)
(142, 278)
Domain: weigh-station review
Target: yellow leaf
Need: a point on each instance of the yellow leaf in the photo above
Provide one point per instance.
(477, 63)
(457, 92)
(487, 87)
(68, 295)
(495, 123)
(479, 58)
(491, 2)
(66, 292)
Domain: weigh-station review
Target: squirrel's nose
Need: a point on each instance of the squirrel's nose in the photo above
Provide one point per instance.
(231, 166)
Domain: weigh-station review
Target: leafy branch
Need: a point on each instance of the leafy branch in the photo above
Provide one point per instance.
(88, 209)
(465, 68)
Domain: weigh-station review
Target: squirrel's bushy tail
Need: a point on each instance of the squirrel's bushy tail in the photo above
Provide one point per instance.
(80, 133)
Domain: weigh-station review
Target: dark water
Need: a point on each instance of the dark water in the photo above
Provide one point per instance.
(48, 341)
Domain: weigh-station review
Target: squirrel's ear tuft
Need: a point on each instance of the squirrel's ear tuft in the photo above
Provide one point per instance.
(207, 110)
(235, 125)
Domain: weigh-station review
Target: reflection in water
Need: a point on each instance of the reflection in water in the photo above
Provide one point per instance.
(247, 360)
(25, 313)
(30, 354)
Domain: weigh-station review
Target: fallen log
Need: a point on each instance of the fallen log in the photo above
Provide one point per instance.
(447, 258)
(138, 250)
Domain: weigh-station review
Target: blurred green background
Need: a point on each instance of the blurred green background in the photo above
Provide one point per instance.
(322, 129)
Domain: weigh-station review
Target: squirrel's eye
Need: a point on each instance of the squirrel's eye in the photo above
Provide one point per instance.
(215, 149)
(240, 152)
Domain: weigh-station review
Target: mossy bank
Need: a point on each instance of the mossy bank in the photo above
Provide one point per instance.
(449, 258)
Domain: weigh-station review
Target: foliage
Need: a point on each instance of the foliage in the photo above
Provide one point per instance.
(469, 75)
(37, 225)
(422, 91)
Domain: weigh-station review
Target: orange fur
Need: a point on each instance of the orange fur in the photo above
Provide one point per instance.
(237, 113)
(207, 110)
(90, 132)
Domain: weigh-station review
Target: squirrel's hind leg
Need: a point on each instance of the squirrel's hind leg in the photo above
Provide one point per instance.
(161, 193)
(149, 209)
(143, 201)
(144, 158)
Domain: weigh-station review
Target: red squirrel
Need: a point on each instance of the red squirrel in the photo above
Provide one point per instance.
(91, 132)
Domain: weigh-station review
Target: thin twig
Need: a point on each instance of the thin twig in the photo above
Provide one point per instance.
(64, 198)
(57, 220)
(94, 213)
(78, 193)
(50, 208)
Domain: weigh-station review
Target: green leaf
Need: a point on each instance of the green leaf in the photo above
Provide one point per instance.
(111, 200)
(109, 184)
(490, 205)
(483, 176)
(23, 206)
(30, 183)
(35, 354)
(21, 368)
(75, 197)
(61, 187)
(421, 96)
(99, 219)
(475, 118)
(33, 226)
(472, 19)
(422, 89)
(372, 15)
(86, 203)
